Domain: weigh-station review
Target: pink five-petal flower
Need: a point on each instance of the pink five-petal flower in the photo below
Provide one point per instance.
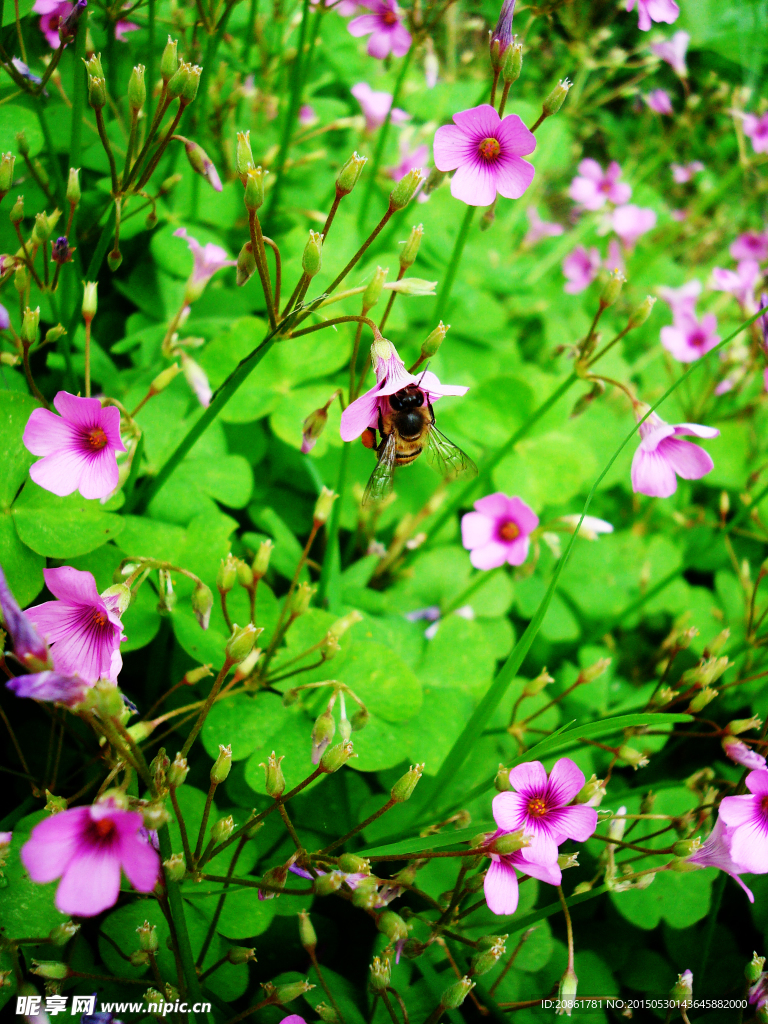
(498, 531)
(391, 377)
(661, 456)
(385, 27)
(500, 886)
(208, 259)
(375, 106)
(682, 173)
(688, 338)
(740, 282)
(540, 808)
(581, 267)
(486, 153)
(747, 821)
(751, 245)
(682, 301)
(78, 447)
(539, 228)
(673, 51)
(87, 847)
(83, 628)
(756, 128)
(740, 753)
(592, 187)
(53, 13)
(649, 11)
(630, 221)
(658, 100)
(716, 853)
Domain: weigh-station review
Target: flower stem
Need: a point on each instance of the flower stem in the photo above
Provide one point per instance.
(453, 264)
(88, 357)
(568, 926)
(107, 147)
(328, 587)
(359, 828)
(206, 707)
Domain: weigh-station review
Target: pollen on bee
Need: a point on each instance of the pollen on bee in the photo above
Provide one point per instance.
(368, 438)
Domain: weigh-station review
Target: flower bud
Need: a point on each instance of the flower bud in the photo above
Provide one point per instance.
(178, 771)
(323, 506)
(640, 314)
(201, 163)
(240, 644)
(287, 993)
(487, 958)
(593, 672)
(392, 925)
(222, 764)
(62, 933)
(53, 970)
(254, 189)
(686, 847)
(155, 1001)
(107, 699)
(682, 990)
(740, 725)
(97, 93)
(194, 675)
(17, 211)
(340, 626)
(312, 259)
(274, 783)
(381, 973)
(501, 782)
(178, 80)
(222, 829)
(324, 885)
(30, 325)
(455, 994)
(44, 225)
(240, 955)
(510, 842)
(351, 864)
(360, 719)
(90, 303)
(335, 757)
(93, 66)
(405, 785)
(191, 84)
(261, 561)
(716, 645)
(322, 733)
(137, 89)
(592, 792)
(512, 63)
(246, 265)
(612, 289)
(169, 62)
(405, 189)
(243, 156)
(433, 341)
(148, 940)
(410, 248)
(556, 98)
(327, 1014)
(534, 686)
(6, 172)
(302, 596)
(632, 757)
(566, 992)
(140, 731)
(349, 175)
(754, 968)
(701, 699)
(54, 804)
(307, 934)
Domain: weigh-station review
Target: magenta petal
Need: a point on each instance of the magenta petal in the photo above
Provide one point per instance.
(100, 475)
(736, 810)
(75, 586)
(475, 183)
(495, 506)
(363, 25)
(509, 810)
(90, 884)
(591, 169)
(517, 550)
(523, 515)
(490, 555)
(478, 122)
(515, 137)
(84, 412)
(652, 475)
(542, 849)
(528, 779)
(451, 148)
(46, 432)
(687, 460)
(578, 822)
(53, 843)
(500, 887)
(362, 413)
(401, 40)
(477, 530)
(513, 176)
(696, 429)
(549, 872)
(749, 847)
(140, 862)
(60, 473)
(380, 44)
(565, 781)
(757, 783)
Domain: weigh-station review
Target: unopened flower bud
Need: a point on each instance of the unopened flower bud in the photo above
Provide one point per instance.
(410, 248)
(274, 783)
(434, 181)
(137, 89)
(222, 829)
(30, 325)
(566, 992)
(632, 757)
(244, 574)
(556, 98)
(592, 792)
(686, 847)
(191, 84)
(178, 771)
(90, 300)
(336, 756)
(374, 288)
(226, 577)
(534, 686)
(177, 82)
(340, 626)
(148, 940)
(433, 341)
(6, 172)
(312, 258)
(240, 955)
(169, 62)
(455, 994)
(323, 505)
(487, 957)
(405, 785)
(360, 719)
(640, 314)
(93, 66)
(512, 63)
(201, 163)
(327, 1014)
(381, 973)
(701, 699)
(307, 934)
(243, 156)
(52, 970)
(612, 289)
(302, 596)
(392, 925)
(322, 733)
(194, 675)
(715, 646)
(222, 764)
(254, 189)
(405, 189)
(593, 672)
(682, 990)
(164, 378)
(349, 175)
(287, 993)
(501, 782)
(17, 211)
(740, 725)
(324, 885)
(261, 561)
(754, 968)
(510, 842)
(62, 933)
(246, 265)
(97, 93)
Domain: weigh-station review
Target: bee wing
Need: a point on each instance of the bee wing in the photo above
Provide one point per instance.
(380, 484)
(447, 458)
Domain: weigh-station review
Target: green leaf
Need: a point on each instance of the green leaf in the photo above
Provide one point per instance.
(382, 680)
(15, 410)
(244, 720)
(26, 907)
(9, 14)
(22, 566)
(62, 527)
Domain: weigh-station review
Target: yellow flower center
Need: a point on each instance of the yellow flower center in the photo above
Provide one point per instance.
(489, 149)
(537, 808)
(509, 531)
(96, 439)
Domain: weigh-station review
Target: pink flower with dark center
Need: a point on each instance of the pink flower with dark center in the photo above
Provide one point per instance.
(716, 853)
(375, 106)
(86, 847)
(385, 27)
(682, 173)
(756, 128)
(53, 13)
(629, 222)
(540, 808)
(592, 188)
(486, 153)
(751, 245)
(662, 456)
(747, 821)
(581, 267)
(740, 753)
(498, 531)
(673, 51)
(539, 228)
(682, 301)
(688, 338)
(649, 11)
(500, 886)
(391, 377)
(78, 448)
(83, 628)
(740, 282)
(208, 259)
(658, 100)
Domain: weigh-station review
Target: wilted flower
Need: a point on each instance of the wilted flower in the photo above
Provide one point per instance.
(385, 27)
(673, 51)
(197, 379)
(498, 531)
(662, 456)
(649, 11)
(756, 128)
(629, 222)
(591, 527)
(207, 260)
(682, 173)
(751, 245)
(658, 100)
(581, 267)
(593, 187)
(539, 228)
(688, 338)
(740, 753)
(375, 106)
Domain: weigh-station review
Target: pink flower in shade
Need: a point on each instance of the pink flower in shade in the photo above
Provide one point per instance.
(740, 282)
(740, 753)
(207, 260)
(53, 13)
(86, 847)
(592, 188)
(307, 115)
(688, 338)
(629, 222)
(673, 51)
(539, 228)
(78, 448)
(83, 628)
(716, 853)
(662, 456)
(122, 28)
(649, 11)
(747, 821)
(658, 100)
(500, 885)
(409, 160)
(391, 377)
(751, 245)
(679, 215)
(29, 648)
(682, 301)
(540, 808)
(486, 153)
(375, 106)
(581, 267)
(498, 532)
(725, 385)
(756, 128)
(384, 26)
(682, 173)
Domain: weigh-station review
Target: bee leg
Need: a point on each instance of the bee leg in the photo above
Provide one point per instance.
(431, 411)
(381, 424)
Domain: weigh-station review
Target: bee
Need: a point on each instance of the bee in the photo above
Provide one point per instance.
(407, 428)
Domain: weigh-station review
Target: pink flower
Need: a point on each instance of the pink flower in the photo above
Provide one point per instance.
(751, 245)
(307, 115)
(681, 173)
(654, 10)
(716, 853)
(391, 377)
(498, 531)
(740, 753)
(122, 28)
(725, 385)
(747, 821)
(757, 129)
(83, 629)
(688, 338)
(662, 456)
(539, 808)
(29, 648)
(673, 51)
(682, 301)
(387, 32)
(540, 228)
(614, 259)
(409, 160)
(197, 379)
(740, 282)
(629, 222)
(207, 260)
(486, 153)
(53, 13)
(500, 885)
(658, 100)
(593, 187)
(581, 268)
(375, 106)
(78, 448)
(87, 847)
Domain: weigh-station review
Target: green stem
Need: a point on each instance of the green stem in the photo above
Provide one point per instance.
(206, 707)
(453, 265)
(150, 57)
(717, 895)
(328, 587)
(253, 10)
(107, 147)
(59, 180)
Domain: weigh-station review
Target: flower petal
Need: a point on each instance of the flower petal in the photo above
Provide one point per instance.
(523, 515)
(513, 176)
(757, 783)
(60, 472)
(83, 412)
(363, 25)
(509, 811)
(478, 122)
(401, 40)
(100, 475)
(451, 148)
(46, 432)
(517, 551)
(565, 781)
(477, 530)
(90, 884)
(549, 872)
(140, 862)
(74, 586)
(490, 555)
(652, 475)
(688, 460)
(53, 843)
(380, 44)
(474, 183)
(500, 887)
(529, 778)
(514, 137)
(362, 413)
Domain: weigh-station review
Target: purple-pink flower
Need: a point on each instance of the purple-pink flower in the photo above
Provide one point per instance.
(580, 268)
(307, 115)
(78, 448)
(747, 820)
(375, 106)
(500, 885)
(207, 260)
(751, 245)
(385, 27)
(539, 228)
(593, 187)
(82, 627)
(53, 13)
(716, 853)
(740, 282)
(688, 338)
(658, 100)
(682, 300)
(498, 531)
(756, 128)
(682, 173)
(86, 847)
(673, 51)
(630, 221)
(410, 159)
(661, 456)
(197, 379)
(649, 11)
(740, 753)
(486, 153)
